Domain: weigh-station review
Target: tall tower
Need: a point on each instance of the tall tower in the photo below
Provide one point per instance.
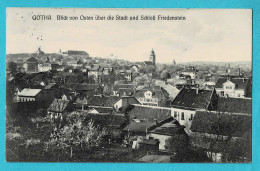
(152, 57)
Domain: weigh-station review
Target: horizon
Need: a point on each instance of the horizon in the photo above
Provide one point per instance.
(217, 33)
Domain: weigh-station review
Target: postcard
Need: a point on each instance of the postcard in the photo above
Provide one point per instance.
(128, 85)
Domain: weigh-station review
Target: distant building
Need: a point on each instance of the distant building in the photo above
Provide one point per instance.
(45, 66)
(31, 65)
(234, 87)
(152, 59)
(152, 96)
(190, 71)
(28, 94)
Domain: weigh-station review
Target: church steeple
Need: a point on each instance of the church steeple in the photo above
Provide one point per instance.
(153, 57)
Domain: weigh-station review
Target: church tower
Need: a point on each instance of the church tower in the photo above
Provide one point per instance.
(152, 57)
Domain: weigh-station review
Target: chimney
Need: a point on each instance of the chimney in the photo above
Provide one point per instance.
(155, 122)
(238, 71)
(243, 79)
(197, 90)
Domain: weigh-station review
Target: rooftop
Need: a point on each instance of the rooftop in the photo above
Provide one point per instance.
(29, 92)
(221, 123)
(189, 98)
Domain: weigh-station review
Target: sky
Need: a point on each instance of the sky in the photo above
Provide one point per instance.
(217, 35)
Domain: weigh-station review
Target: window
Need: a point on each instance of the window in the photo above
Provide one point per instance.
(182, 115)
(175, 114)
(191, 117)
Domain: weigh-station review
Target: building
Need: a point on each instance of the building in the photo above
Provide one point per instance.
(45, 66)
(152, 96)
(31, 65)
(223, 136)
(166, 129)
(28, 94)
(190, 71)
(125, 87)
(189, 100)
(153, 57)
(234, 87)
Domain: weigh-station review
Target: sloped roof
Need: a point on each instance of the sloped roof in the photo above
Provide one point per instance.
(29, 92)
(106, 120)
(58, 105)
(102, 109)
(169, 128)
(221, 123)
(118, 86)
(189, 99)
(239, 82)
(138, 127)
(98, 100)
(148, 63)
(84, 87)
(111, 100)
(127, 91)
(235, 105)
(149, 113)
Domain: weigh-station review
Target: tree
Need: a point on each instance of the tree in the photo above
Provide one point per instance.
(165, 75)
(75, 136)
(12, 67)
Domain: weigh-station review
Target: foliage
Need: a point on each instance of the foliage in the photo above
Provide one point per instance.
(75, 136)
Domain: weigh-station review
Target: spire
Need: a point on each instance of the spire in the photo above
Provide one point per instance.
(153, 57)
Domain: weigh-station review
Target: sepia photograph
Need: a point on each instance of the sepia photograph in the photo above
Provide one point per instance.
(128, 85)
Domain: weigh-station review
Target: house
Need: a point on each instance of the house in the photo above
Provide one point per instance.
(28, 94)
(234, 87)
(189, 100)
(125, 87)
(59, 108)
(190, 71)
(87, 89)
(128, 75)
(223, 136)
(100, 110)
(152, 96)
(166, 129)
(95, 72)
(45, 66)
(124, 102)
(125, 92)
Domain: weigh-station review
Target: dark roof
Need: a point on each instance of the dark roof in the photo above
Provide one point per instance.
(58, 105)
(138, 127)
(148, 63)
(118, 86)
(188, 98)
(102, 109)
(149, 113)
(107, 101)
(111, 100)
(234, 105)
(125, 91)
(84, 87)
(97, 100)
(221, 123)
(106, 120)
(240, 83)
(169, 128)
